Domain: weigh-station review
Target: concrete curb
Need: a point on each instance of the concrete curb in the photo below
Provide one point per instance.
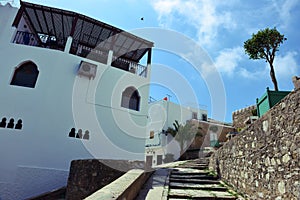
(125, 187)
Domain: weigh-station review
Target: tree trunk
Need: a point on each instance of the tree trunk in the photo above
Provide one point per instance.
(181, 150)
(273, 77)
(181, 157)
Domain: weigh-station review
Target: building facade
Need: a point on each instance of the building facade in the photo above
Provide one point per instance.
(162, 115)
(71, 88)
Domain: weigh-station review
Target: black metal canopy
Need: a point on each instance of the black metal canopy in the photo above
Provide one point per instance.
(84, 30)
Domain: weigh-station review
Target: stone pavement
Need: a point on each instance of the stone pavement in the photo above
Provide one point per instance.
(185, 180)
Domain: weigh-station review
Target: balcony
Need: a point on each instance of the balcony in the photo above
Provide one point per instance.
(51, 28)
(25, 38)
(81, 50)
(132, 67)
(39, 40)
(101, 56)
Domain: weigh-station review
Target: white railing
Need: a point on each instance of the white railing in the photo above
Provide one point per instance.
(133, 67)
(138, 69)
(101, 56)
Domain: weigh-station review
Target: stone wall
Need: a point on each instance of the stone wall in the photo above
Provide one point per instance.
(88, 176)
(263, 162)
(239, 116)
(296, 82)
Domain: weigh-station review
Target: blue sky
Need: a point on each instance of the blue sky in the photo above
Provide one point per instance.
(220, 29)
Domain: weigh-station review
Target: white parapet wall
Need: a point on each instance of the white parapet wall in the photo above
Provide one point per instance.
(36, 154)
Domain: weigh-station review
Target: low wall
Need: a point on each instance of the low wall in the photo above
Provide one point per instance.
(263, 162)
(88, 176)
(239, 116)
(126, 187)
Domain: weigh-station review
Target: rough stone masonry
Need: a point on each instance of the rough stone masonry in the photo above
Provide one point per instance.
(263, 162)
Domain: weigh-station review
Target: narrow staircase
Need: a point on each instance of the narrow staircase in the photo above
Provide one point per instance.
(193, 180)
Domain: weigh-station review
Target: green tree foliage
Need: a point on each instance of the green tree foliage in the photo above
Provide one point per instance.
(176, 126)
(173, 131)
(263, 45)
(185, 134)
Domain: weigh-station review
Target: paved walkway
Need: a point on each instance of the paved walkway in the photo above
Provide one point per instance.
(185, 180)
(156, 187)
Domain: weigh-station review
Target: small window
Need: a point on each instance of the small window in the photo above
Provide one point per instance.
(26, 75)
(131, 99)
(159, 159)
(194, 115)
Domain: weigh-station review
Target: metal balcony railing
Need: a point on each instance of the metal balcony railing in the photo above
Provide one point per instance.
(40, 40)
(132, 67)
(25, 38)
(101, 56)
(81, 50)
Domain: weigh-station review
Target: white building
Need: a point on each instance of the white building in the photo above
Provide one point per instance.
(162, 115)
(71, 88)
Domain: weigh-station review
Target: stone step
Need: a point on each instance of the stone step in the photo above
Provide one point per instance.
(194, 181)
(189, 171)
(193, 176)
(199, 194)
(198, 161)
(211, 187)
(194, 167)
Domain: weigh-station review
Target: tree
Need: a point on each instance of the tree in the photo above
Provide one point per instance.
(184, 134)
(263, 45)
(173, 131)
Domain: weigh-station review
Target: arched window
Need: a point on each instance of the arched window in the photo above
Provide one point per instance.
(25, 75)
(131, 99)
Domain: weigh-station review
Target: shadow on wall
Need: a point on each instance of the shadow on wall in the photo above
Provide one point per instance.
(79, 134)
(11, 124)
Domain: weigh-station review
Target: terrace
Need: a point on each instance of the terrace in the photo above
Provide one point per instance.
(77, 34)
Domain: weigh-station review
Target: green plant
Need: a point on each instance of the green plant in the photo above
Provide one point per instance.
(176, 125)
(230, 189)
(263, 45)
(171, 131)
(239, 129)
(185, 134)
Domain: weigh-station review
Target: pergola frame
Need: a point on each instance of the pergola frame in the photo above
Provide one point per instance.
(84, 30)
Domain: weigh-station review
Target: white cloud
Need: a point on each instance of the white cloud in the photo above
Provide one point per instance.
(165, 7)
(228, 60)
(286, 66)
(283, 9)
(256, 74)
(201, 14)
